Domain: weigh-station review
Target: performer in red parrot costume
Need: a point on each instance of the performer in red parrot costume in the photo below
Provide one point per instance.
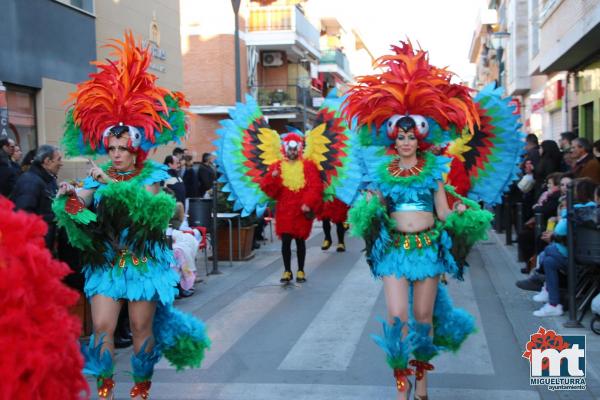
(296, 186)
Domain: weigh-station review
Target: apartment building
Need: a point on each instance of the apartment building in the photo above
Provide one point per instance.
(548, 60)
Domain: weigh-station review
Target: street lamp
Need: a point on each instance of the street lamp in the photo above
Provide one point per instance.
(238, 78)
(304, 83)
(498, 42)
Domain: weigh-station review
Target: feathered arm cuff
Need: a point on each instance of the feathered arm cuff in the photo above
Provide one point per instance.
(466, 228)
(70, 213)
(366, 216)
(270, 184)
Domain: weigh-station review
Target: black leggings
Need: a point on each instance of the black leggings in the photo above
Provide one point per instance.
(286, 251)
(339, 229)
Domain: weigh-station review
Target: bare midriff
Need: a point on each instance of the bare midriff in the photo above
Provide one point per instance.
(413, 221)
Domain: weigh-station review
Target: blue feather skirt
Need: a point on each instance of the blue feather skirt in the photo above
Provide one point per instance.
(134, 279)
(392, 259)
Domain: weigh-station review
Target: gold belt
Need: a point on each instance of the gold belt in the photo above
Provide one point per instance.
(124, 254)
(412, 240)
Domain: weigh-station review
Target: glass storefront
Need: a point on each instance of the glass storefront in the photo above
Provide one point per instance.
(21, 116)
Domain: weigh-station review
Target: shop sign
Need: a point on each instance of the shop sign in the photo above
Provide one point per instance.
(3, 112)
(537, 105)
(516, 103)
(553, 95)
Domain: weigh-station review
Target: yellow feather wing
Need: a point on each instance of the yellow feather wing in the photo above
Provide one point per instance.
(316, 145)
(270, 146)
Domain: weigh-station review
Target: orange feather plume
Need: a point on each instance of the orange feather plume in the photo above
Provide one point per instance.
(410, 85)
(120, 92)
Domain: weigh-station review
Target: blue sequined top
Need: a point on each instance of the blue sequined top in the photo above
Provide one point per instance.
(422, 202)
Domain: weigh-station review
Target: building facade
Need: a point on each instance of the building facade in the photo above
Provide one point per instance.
(550, 64)
(291, 56)
(51, 43)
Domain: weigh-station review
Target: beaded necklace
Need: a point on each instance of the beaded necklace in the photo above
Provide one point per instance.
(396, 169)
(123, 176)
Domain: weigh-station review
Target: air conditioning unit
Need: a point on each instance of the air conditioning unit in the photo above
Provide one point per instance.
(272, 58)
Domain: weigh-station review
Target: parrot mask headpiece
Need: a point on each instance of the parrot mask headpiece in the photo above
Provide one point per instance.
(292, 145)
(410, 93)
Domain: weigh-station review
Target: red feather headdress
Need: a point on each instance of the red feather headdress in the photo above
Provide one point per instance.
(410, 85)
(122, 92)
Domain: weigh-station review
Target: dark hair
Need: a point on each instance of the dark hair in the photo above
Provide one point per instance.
(177, 151)
(567, 175)
(550, 160)
(584, 189)
(28, 159)
(205, 157)
(568, 135)
(4, 141)
(597, 145)
(583, 142)
(169, 160)
(43, 152)
(533, 139)
(555, 177)
(188, 157)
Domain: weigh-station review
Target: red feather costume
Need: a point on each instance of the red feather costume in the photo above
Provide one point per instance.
(40, 357)
(289, 217)
(334, 210)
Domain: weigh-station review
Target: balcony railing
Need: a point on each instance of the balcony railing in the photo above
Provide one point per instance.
(284, 96)
(336, 57)
(283, 18)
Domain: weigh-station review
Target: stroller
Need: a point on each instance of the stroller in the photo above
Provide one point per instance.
(595, 324)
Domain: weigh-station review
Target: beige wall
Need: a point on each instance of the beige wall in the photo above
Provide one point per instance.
(564, 26)
(113, 17)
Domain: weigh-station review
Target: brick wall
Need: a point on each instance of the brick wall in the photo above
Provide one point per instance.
(209, 70)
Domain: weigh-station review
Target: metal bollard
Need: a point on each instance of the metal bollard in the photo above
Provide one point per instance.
(498, 218)
(215, 210)
(519, 222)
(571, 267)
(537, 231)
(508, 221)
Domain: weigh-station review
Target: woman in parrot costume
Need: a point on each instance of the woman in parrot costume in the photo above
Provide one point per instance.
(119, 218)
(295, 172)
(419, 131)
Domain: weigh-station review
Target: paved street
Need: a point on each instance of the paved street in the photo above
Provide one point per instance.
(312, 341)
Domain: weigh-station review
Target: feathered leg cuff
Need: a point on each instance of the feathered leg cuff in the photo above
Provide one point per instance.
(100, 364)
(423, 348)
(396, 348)
(143, 362)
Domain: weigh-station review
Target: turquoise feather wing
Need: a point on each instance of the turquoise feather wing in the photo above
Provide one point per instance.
(242, 158)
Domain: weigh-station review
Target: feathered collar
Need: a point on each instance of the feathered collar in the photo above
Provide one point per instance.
(378, 165)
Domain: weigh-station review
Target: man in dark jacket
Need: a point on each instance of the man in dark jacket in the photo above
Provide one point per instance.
(175, 183)
(586, 165)
(36, 189)
(190, 178)
(8, 175)
(206, 173)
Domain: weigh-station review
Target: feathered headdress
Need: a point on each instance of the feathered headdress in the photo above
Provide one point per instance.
(409, 85)
(292, 140)
(123, 94)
